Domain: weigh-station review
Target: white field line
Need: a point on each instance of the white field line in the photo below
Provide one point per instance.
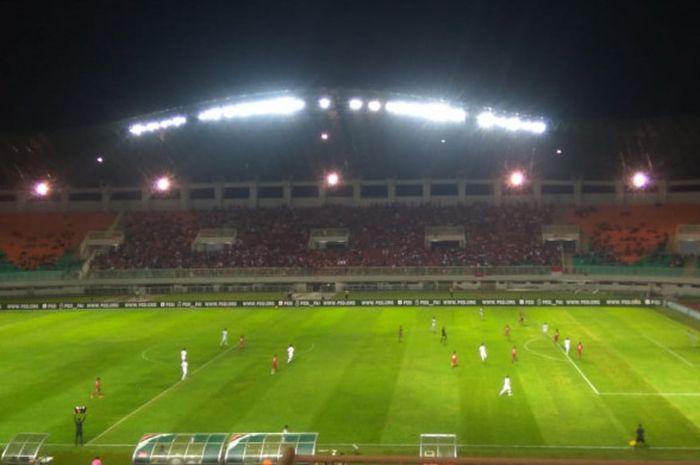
(416, 446)
(539, 354)
(671, 351)
(659, 394)
(309, 349)
(148, 359)
(158, 396)
(585, 378)
(514, 446)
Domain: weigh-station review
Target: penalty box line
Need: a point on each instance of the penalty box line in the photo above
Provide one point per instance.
(671, 351)
(158, 396)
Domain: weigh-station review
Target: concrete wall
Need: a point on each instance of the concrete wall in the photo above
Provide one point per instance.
(356, 193)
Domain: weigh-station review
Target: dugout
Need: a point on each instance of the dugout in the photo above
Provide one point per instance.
(257, 448)
(25, 448)
(180, 449)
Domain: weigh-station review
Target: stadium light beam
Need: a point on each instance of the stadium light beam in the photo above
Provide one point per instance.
(324, 103)
(332, 179)
(640, 180)
(163, 184)
(42, 188)
(488, 120)
(355, 104)
(435, 112)
(152, 126)
(516, 178)
(374, 106)
(280, 106)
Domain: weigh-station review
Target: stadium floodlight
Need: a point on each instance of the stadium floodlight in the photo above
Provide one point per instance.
(162, 184)
(324, 136)
(516, 178)
(374, 105)
(332, 179)
(436, 112)
(42, 188)
(640, 180)
(324, 103)
(268, 107)
(151, 126)
(100, 159)
(487, 120)
(355, 104)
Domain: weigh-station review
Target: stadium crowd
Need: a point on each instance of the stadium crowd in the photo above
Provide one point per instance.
(378, 236)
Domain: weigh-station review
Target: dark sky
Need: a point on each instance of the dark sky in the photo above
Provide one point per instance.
(83, 63)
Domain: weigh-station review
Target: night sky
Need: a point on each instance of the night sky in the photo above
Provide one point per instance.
(74, 64)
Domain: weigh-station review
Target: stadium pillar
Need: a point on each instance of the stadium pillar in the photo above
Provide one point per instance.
(578, 190)
(64, 200)
(426, 190)
(619, 192)
(462, 191)
(145, 198)
(497, 192)
(106, 198)
(321, 194)
(356, 193)
(184, 197)
(21, 201)
(287, 192)
(663, 191)
(253, 194)
(219, 194)
(391, 190)
(537, 191)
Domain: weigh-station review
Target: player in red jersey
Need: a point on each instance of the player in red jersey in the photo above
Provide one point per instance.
(579, 349)
(241, 342)
(514, 354)
(98, 389)
(453, 359)
(506, 331)
(556, 336)
(275, 364)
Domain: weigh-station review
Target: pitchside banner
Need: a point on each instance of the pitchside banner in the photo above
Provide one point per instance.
(333, 303)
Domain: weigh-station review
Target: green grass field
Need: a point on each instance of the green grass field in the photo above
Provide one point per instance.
(353, 382)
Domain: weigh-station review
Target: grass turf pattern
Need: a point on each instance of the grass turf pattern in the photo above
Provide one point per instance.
(353, 381)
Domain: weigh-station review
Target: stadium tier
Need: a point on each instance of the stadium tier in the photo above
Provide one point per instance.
(376, 236)
(34, 241)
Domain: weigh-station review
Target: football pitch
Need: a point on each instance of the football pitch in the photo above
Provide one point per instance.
(354, 382)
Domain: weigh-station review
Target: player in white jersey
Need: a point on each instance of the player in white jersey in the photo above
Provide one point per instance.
(482, 352)
(545, 328)
(481, 313)
(183, 355)
(224, 338)
(567, 345)
(290, 353)
(506, 387)
(184, 365)
(433, 324)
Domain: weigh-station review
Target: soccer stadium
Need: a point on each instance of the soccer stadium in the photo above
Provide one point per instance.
(349, 275)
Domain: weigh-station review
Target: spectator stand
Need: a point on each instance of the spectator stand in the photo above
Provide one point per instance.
(25, 448)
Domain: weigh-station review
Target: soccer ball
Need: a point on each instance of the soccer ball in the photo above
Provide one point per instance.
(632, 443)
